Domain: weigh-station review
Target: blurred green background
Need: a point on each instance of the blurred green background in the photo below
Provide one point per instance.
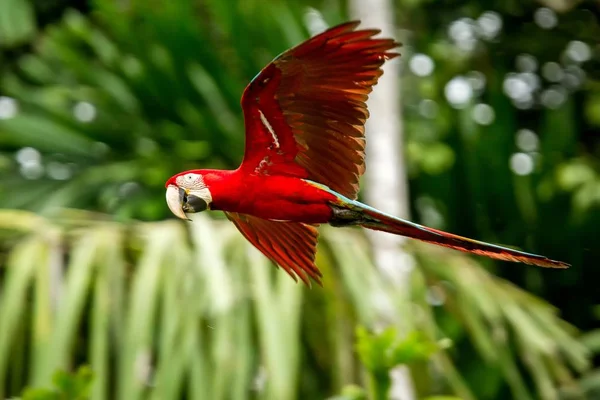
(102, 100)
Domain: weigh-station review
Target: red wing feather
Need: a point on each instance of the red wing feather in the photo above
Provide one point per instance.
(305, 111)
(291, 245)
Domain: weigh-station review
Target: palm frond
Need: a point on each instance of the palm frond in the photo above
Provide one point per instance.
(192, 308)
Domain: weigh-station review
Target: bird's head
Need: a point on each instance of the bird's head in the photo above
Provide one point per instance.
(187, 192)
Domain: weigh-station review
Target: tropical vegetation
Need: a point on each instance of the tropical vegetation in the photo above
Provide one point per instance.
(104, 296)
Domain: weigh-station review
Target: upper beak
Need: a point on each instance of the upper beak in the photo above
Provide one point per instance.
(175, 200)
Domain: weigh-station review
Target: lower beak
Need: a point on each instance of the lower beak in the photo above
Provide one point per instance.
(175, 200)
(194, 204)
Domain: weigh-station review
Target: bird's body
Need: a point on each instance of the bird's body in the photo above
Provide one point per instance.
(304, 115)
(279, 198)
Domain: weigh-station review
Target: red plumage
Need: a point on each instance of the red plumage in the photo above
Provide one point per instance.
(304, 155)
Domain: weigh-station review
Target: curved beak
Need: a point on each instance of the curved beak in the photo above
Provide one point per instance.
(175, 201)
(181, 201)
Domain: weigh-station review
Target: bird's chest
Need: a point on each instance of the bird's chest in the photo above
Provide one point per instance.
(278, 198)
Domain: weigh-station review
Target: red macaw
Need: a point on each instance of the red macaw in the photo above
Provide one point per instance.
(304, 115)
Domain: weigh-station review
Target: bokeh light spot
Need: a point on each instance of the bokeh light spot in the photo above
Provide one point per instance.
(428, 108)
(458, 91)
(477, 81)
(58, 171)
(28, 155)
(8, 107)
(421, 65)
(527, 140)
(84, 111)
(553, 97)
(552, 71)
(531, 79)
(545, 18)
(516, 87)
(314, 21)
(526, 63)
(521, 164)
(462, 33)
(30, 161)
(574, 77)
(578, 51)
(490, 24)
(31, 171)
(483, 114)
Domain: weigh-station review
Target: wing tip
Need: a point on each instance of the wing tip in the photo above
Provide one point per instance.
(354, 23)
(389, 55)
(306, 275)
(351, 26)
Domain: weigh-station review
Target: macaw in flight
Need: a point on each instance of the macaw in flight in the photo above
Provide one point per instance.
(304, 116)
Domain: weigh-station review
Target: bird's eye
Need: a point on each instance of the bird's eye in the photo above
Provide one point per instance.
(190, 180)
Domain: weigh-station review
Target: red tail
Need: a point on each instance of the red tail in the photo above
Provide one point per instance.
(377, 220)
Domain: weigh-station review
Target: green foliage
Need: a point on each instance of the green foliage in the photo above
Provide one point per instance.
(136, 102)
(498, 316)
(382, 352)
(66, 387)
(114, 102)
(351, 392)
(192, 309)
(590, 382)
(17, 23)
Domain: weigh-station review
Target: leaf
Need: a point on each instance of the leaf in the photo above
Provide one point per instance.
(383, 351)
(20, 271)
(592, 340)
(373, 348)
(351, 392)
(415, 347)
(17, 22)
(48, 135)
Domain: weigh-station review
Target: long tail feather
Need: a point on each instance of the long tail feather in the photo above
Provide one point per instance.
(377, 220)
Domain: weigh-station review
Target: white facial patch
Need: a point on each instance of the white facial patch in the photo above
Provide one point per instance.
(190, 181)
(194, 184)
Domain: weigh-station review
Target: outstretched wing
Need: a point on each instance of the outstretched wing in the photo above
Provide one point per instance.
(305, 111)
(291, 245)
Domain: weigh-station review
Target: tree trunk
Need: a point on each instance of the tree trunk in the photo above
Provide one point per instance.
(385, 177)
